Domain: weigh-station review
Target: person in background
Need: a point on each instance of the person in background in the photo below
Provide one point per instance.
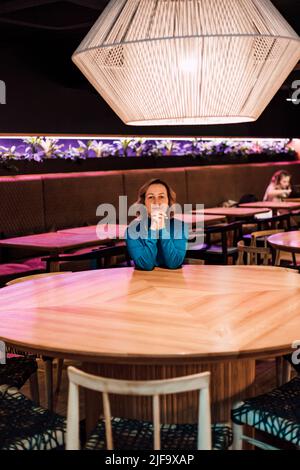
(165, 238)
(279, 187)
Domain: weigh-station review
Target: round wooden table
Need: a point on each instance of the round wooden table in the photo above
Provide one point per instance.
(286, 241)
(134, 324)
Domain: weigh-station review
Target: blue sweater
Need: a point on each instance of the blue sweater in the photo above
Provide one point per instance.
(165, 247)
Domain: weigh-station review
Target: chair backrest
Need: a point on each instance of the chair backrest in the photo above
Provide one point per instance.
(154, 388)
(263, 235)
(283, 220)
(224, 230)
(31, 278)
(252, 253)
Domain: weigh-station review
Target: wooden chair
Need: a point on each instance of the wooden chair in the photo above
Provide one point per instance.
(18, 369)
(270, 226)
(260, 239)
(275, 413)
(250, 254)
(154, 388)
(218, 252)
(274, 223)
(24, 425)
(48, 361)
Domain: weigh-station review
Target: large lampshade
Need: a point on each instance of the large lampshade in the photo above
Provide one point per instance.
(164, 62)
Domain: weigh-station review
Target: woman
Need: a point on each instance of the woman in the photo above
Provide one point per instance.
(279, 187)
(156, 239)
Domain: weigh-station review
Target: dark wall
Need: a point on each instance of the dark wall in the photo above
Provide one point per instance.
(47, 94)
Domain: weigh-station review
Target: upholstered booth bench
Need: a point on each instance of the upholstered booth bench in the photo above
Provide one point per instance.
(41, 203)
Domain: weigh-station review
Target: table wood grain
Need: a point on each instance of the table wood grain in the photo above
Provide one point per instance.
(209, 312)
(131, 324)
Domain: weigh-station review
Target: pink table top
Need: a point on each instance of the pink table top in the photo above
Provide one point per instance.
(58, 242)
(273, 205)
(236, 212)
(198, 218)
(103, 230)
(286, 241)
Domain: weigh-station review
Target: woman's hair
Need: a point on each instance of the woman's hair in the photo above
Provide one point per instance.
(143, 189)
(276, 178)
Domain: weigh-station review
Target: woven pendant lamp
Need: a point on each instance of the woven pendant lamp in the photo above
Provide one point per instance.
(176, 62)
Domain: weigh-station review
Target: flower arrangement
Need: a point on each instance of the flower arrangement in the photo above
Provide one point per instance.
(42, 148)
(39, 149)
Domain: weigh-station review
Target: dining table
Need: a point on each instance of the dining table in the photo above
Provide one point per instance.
(288, 242)
(100, 231)
(201, 218)
(62, 241)
(232, 213)
(143, 325)
(273, 205)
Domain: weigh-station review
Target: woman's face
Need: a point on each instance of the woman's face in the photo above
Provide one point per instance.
(285, 182)
(156, 197)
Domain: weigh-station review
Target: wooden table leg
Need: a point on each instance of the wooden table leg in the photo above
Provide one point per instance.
(48, 364)
(283, 371)
(277, 259)
(230, 382)
(54, 266)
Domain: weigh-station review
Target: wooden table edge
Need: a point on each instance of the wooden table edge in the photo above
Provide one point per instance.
(52, 249)
(288, 249)
(99, 358)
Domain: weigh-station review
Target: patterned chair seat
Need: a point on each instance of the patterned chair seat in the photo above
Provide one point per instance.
(138, 435)
(17, 370)
(276, 413)
(25, 426)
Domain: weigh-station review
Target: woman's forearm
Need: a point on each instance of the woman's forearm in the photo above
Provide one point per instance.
(143, 252)
(173, 250)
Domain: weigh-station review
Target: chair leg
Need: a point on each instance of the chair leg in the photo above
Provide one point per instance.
(237, 436)
(34, 388)
(277, 259)
(49, 381)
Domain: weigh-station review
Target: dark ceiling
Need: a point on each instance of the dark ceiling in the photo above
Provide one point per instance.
(40, 36)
